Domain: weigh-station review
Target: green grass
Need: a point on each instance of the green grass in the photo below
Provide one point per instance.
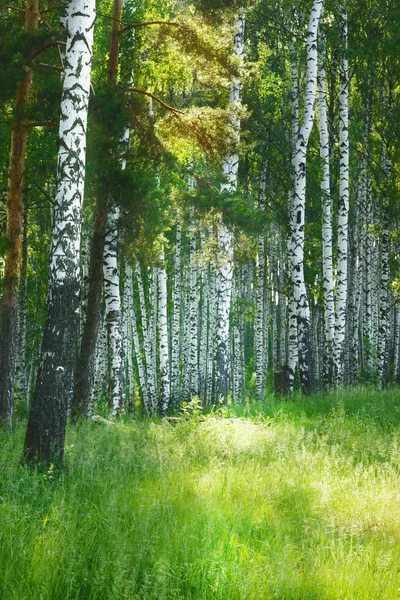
(286, 500)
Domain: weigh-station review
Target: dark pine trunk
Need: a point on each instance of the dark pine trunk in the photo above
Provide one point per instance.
(15, 209)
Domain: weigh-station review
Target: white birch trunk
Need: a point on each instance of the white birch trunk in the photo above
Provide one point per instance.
(225, 245)
(238, 387)
(47, 420)
(293, 350)
(113, 315)
(396, 346)
(193, 307)
(163, 337)
(176, 320)
(384, 294)
(147, 343)
(259, 324)
(128, 336)
(299, 197)
(327, 251)
(137, 345)
(343, 216)
(203, 349)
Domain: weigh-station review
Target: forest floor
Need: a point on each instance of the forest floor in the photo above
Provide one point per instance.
(288, 500)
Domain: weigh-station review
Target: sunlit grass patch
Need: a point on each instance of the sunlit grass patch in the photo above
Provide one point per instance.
(290, 499)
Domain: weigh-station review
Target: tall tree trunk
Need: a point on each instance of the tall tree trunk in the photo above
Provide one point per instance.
(15, 216)
(163, 337)
(136, 342)
(113, 313)
(298, 212)
(48, 415)
(259, 324)
(343, 218)
(238, 379)
(293, 348)
(384, 270)
(327, 253)
(176, 320)
(193, 306)
(83, 382)
(225, 245)
(85, 371)
(20, 363)
(147, 343)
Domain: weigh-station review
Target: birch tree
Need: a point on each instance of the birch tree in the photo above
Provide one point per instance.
(327, 236)
(342, 252)
(113, 315)
(225, 245)
(47, 419)
(299, 197)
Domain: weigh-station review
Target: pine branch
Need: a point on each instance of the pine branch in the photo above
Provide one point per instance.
(41, 124)
(20, 10)
(46, 66)
(173, 110)
(46, 46)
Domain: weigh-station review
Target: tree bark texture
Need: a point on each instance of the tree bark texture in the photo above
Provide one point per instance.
(14, 234)
(45, 435)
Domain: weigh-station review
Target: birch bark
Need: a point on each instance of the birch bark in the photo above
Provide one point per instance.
(47, 419)
(342, 251)
(298, 208)
(113, 316)
(225, 245)
(163, 337)
(176, 320)
(327, 251)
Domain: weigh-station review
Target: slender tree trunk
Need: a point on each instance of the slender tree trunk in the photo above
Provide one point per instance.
(176, 320)
(396, 346)
(193, 307)
(238, 387)
(303, 310)
(83, 382)
(259, 329)
(147, 343)
(293, 349)
(203, 350)
(128, 347)
(327, 253)
(85, 371)
(342, 268)
(48, 415)
(113, 313)
(20, 364)
(225, 245)
(15, 216)
(163, 337)
(137, 346)
(384, 293)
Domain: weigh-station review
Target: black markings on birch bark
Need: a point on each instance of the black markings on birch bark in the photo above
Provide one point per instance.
(327, 241)
(225, 245)
(343, 211)
(47, 419)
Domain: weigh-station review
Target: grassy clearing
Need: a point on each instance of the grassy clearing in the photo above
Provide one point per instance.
(286, 500)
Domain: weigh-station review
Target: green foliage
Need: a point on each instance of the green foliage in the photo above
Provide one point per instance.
(294, 499)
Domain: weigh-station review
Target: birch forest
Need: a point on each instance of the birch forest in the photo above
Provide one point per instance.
(200, 261)
(199, 203)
